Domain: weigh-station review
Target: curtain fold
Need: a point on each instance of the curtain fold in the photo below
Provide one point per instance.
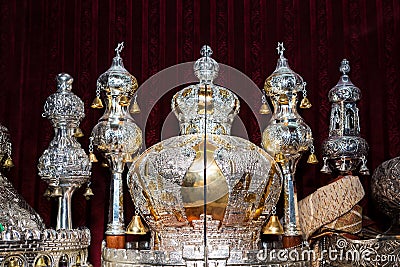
(39, 39)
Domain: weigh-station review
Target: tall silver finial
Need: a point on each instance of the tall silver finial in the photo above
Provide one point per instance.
(206, 51)
(345, 67)
(280, 49)
(119, 48)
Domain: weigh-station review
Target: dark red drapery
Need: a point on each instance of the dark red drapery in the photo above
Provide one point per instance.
(40, 38)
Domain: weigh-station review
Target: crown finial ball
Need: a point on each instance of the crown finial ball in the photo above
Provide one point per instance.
(345, 66)
(64, 81)
(206, 51)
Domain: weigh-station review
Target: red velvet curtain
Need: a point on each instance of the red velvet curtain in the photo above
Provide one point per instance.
(40, 38)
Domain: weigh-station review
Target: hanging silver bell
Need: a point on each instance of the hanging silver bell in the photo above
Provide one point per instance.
(325, 168)
(364, 169)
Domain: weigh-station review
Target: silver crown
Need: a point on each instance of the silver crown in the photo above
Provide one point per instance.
(205, 107)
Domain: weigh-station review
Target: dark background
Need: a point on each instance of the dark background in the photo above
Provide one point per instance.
(39, 39)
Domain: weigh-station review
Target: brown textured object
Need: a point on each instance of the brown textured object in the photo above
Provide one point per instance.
(291, 241)
(350, 222)
(329, 203)
(115, 241)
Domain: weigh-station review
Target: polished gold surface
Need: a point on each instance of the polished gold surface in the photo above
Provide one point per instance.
(88, 193)
(135, 109)
(92, 157)
(312, 159)
(57, 192)
(264, 109)
(136, 226)
(193, 186)
(124, 101)
(273, 227)
(305, 103)
(78, 132)
(97, 103)
(40, 262)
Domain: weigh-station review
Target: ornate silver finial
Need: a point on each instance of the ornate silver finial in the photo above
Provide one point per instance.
(206, 51)
(64, 82)
(206, 68)
(345, 67)
(119, 48)
(344, 150)
(64, 164)
(280, 49)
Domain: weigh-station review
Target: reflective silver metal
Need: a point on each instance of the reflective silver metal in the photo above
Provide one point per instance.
(15, 213)
(287, 134)
(24, 241)
(64, 164)
(192, 256)
(204, 170)
(385, 187)
(335, 250)
(116, 135)
(344, 150)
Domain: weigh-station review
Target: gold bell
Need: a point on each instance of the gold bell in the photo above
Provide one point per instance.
(88, 193)
(78, 261)
(280, 158)
(47, 193)
(14, 263)
(136, 226)
(78, 132)
(312, 159)
(127, 158)
(305, 103)
(104, 164)
(97, 103)
(92, 157)
(264, 109)
(40, 262)
(273, 227)
(283, 99)
(124, 101)
(57, 192)
(8, 163)
(135, 109)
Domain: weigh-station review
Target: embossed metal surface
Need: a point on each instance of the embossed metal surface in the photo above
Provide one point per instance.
(286, 134)
(385, 187)
(167, 185)
(344, 150)
(64, 164)
(24, 241)
(116, 135)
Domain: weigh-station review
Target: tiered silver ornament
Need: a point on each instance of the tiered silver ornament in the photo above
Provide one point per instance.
(116, 135)
(344, 150)
(287, 136)
(64, 165)
(204, 194)
(24, 241)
